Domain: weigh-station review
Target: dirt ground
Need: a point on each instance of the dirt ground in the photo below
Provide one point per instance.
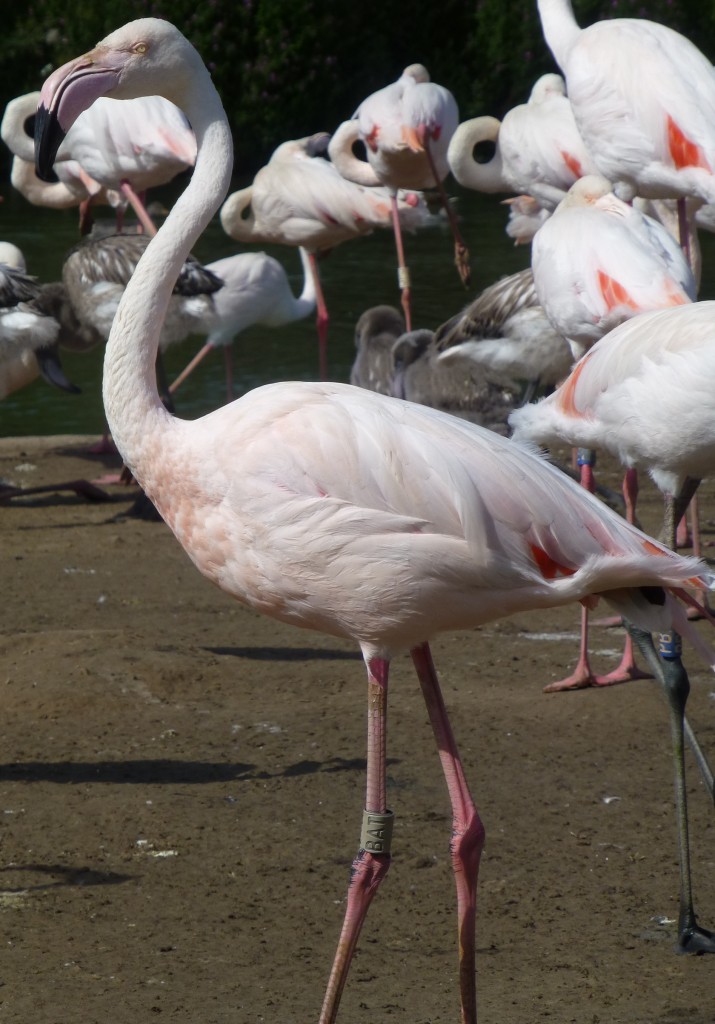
(181, 790)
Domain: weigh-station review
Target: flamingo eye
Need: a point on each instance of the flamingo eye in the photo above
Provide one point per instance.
(139, 48)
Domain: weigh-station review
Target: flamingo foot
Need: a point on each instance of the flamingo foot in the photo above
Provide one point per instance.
(580, 679)
(695, 940)
(623, 674)
(461, 262)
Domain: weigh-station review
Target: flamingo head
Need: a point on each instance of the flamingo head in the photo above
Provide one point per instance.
(147, 57)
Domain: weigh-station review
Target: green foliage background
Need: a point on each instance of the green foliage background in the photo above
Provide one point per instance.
(287, 68)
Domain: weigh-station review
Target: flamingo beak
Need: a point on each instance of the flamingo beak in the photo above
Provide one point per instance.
(69, 91)
(51, 369)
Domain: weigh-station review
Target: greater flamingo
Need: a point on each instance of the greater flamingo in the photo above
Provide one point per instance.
(538, 150)
(28, 334)
(376, 331)
(95, 273)
(506, 332)
(598, 261)
(407, 365)
(254, 290)
(644, 101)
(642, 393)
(337, 509)
(122, 149)
(300, 199)
(406, 128)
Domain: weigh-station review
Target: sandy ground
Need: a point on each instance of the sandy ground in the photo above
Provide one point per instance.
(181, 792)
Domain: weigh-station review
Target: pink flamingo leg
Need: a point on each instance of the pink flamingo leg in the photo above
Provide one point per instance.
(467, 829)
(190, 367)
(461, 252)
(368, 868)
(583, 675)
(627, 669)
(322, 318)
(138, 206)
(403, 273)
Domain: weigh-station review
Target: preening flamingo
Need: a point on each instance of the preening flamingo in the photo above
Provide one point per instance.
(336, 509)
(506, 332)
(644, 101)
(598, 261)
(538, 149)
(407, 365)
(95, 273)
(300, 199)
(643, 393)
(122, 150)
(254, 290)
(406, 128)
(28, 334)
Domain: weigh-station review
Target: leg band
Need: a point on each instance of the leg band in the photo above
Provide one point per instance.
(376, 833)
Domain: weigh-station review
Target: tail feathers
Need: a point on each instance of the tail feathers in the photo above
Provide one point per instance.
(687, 630)
(657, 611)
(649, 608)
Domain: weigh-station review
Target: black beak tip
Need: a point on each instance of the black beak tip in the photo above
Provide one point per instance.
(48, 139)
(50, 368)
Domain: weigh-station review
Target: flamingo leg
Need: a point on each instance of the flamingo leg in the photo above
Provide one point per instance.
(190, 367)
(139, 208)
(372, 860)
(322, 318)
(467, 829)
(673, 678)
(583, 676)
(627, 670)
(86, 220)
(403, 271)
(684, 230)
(461, 252)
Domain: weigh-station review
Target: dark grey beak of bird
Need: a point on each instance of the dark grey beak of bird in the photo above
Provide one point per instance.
(49, 362)
(49, 136)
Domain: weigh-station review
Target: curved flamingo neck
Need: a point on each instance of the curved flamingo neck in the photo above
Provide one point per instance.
(12, 128)
(238, 218)
(483, 177)
(56, 196)
(135, 415)
(340, 151)
(559, 26)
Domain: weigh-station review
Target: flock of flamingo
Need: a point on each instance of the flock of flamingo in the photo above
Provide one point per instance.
(365, 510)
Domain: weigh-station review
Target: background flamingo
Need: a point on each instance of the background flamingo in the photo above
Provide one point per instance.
(644, 101)
(506, 332)
(28, 335)
(538, 148)
(300, 199)
(598, 261)
(123, 148)
(254, 290)
(406, 128)
(301, 499)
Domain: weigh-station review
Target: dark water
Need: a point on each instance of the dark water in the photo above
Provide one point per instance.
(356, 275)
